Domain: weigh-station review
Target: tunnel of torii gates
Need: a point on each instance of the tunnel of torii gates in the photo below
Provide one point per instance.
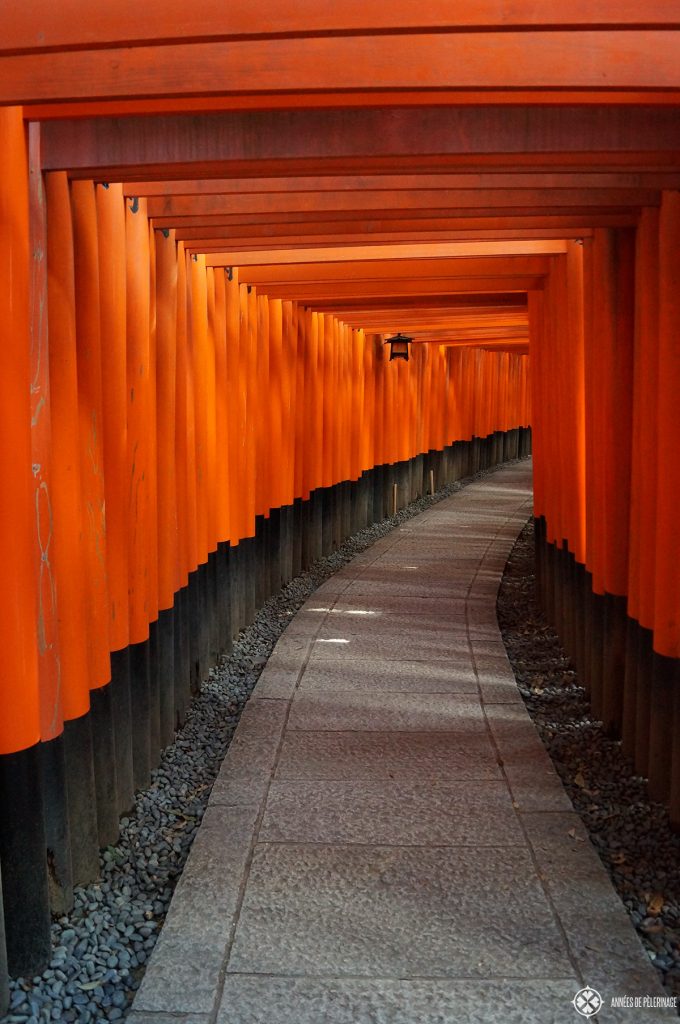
(208, 231)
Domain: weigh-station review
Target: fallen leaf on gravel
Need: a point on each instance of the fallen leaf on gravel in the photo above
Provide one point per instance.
(579, 780)
(617, 858)
(655, 904)
(89, 986)
(572, 833)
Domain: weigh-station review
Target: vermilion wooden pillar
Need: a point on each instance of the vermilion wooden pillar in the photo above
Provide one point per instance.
(664, 745)
(95, 581)
(53, 765)
(644, 457)
(141, 538)
(22, 837)
(70, 550)
(112, 307)
(169, 619)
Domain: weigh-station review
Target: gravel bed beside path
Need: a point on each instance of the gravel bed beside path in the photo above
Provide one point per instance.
(632, 835)
(102, 946)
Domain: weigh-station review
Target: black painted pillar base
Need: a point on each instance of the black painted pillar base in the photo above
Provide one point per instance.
(378, 506)
(347, 509)
(166, 674)
(275, 555)
(224, 597)
(183, 668)
(296, 546)
(57, 830)
(261, 570)
(569, 602)
(154, 695)
(336, 516)
(212, 590)
(539, 545)
(630, 687)
(579, 652)
(643, 701)
(665, 683)
(368, 496)
(286, 528)
(595, 656)
(326, 521)
(614, 666)
(104, 757)
(122, 728)
(236, 589)
(82, 800)
(250, 579)
(307, 510)
(4, 974)
(204, 623)
(24, 867)
(674, 796)
(194, 601)
(140, 713)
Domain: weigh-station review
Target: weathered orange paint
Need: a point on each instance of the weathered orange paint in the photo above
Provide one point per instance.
(667, 576)
(223, 468)
(113, 325)
(166, 413)
(140, 535)
(90, 413)
(49, 666)
(20, 714)
(69, 554)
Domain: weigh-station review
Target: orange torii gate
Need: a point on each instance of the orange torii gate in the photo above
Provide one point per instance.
(207, 404)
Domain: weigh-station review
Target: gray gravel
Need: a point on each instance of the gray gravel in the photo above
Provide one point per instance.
(632, 835)
(102, 946)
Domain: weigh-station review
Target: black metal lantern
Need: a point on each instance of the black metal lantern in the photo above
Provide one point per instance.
(399, 344)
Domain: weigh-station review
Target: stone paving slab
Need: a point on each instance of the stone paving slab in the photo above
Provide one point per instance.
(384, 755)
(387, 841)
(251, 999)
(414, 629)
(426, 645)
(407, 813)
(396, 912)
(398, 616)
(351, 711)
(383, 675)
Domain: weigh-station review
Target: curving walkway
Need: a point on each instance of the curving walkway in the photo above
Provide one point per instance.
(387, 840)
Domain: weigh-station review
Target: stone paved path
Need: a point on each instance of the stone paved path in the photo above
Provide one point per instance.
(387, 841)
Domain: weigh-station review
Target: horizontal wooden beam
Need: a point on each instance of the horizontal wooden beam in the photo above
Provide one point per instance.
(422, 321)
(309, 294)
(405, 182)
(396, 270)
(356, 141)
(189, 211)
(43, 25)
(472, 230)
(427, 304)
(296, 230)
(291, 262)
(473, 334)
(518, 345)
(606, 60)
(195, 105)
(423, 229)
(501, 242)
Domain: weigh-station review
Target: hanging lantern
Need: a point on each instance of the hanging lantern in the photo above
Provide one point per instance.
(399, 344)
